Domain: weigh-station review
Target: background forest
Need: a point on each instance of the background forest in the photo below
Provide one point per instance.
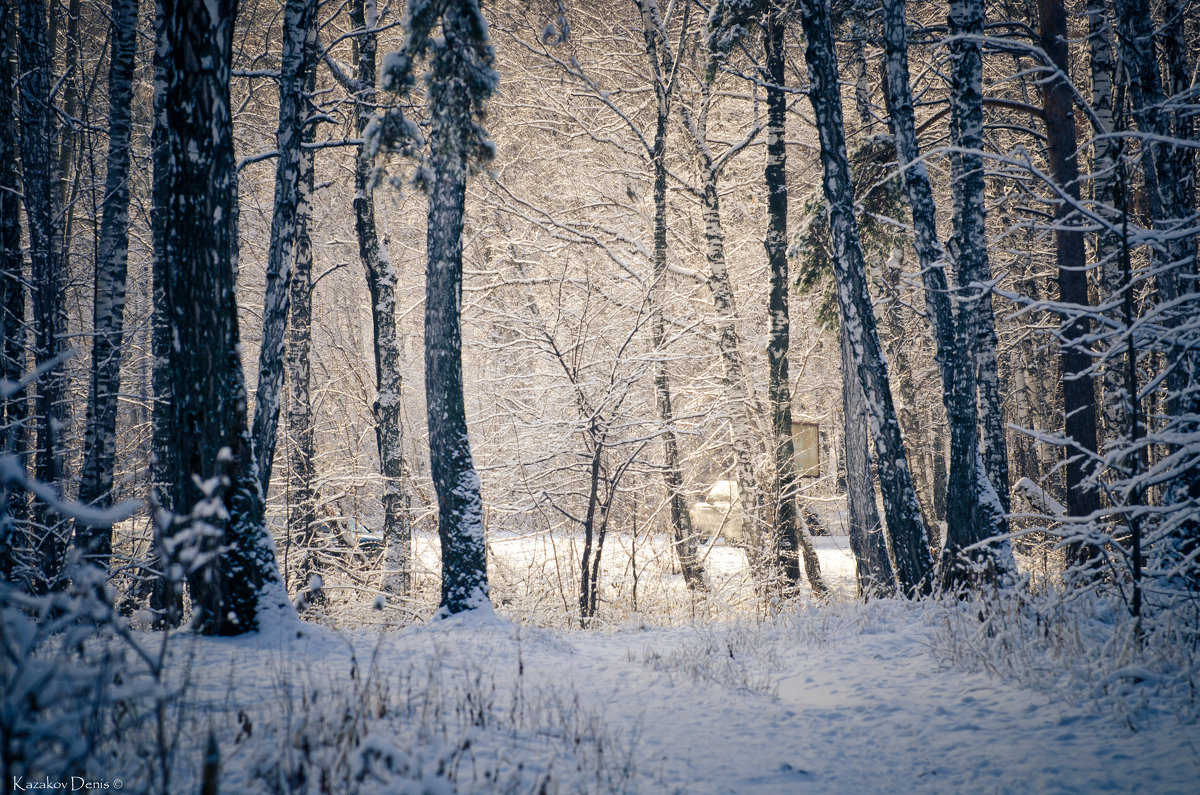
(350, 314)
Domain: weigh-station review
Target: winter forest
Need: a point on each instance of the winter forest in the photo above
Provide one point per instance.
(718, 396)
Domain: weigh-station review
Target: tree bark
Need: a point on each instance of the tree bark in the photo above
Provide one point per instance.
(298, 26)
(217, 500)
(1079, 396)
(14, 408)
(868, 542)
(108, 299)
(969, 241)
(910, 546)
(791, 539)
(302, 513)
(381, 283)
(972, 509)
(662, 67)
(40, 180)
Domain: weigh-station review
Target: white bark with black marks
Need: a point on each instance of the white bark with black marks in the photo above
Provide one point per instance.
(910, 546)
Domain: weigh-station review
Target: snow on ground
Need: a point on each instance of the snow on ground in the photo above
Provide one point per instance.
(837, 698)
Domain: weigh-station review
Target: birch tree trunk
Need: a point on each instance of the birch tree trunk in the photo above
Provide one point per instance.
(298, 26)
(972, 509)
(166, 589)
(381, 283)
(40, 180)
(910, 546)
(663, 70)
(791, 538)
(1102, 69)
(108, 299)
(868, 542)
(969, 241)
(302, 509)
(216, 495)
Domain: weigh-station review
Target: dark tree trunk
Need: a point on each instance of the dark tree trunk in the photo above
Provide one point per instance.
(662, 66)
(791, 540)
(460, 505)
(166, 588)
(1079, 396)
(215, 490)
(969, 241)
(381, 283)
(14, 506)
(40, 180)
(298, 27)
(108, 299)
(910, 546)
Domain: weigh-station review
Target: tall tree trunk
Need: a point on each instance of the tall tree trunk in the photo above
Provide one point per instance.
(972, 509)
(108, 299)
(13, 407)
(910, 546)
(298, 24)
(1105, 151)
(215, 490)
(791, 539)
(969, 241)
(302, 513)
(381, 282)
(460, 81)
(165, 589)
(662, 66)
(47, 280)
(1079, 396)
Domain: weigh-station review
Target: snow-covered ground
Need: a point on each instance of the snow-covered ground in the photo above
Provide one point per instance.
(890, 696)
(846, 698)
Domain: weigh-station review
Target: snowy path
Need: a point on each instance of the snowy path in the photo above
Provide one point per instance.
(845, 699)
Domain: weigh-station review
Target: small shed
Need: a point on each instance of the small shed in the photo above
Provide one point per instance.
(806, 437)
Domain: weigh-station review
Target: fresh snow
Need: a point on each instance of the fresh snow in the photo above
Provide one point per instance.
(843, 697)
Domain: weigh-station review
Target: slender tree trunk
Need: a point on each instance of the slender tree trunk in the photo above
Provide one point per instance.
(910, 546)
(40, 180)
(1079, 396)
(215, 490)
(298, 22)
(166, 591)
(381, 282)
(663, 68)
(302, 513)
(972, 509)
(969, 241)
(739, 396)
(791, 539)
(1102, 68)
(96, 480)
(14, 506)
